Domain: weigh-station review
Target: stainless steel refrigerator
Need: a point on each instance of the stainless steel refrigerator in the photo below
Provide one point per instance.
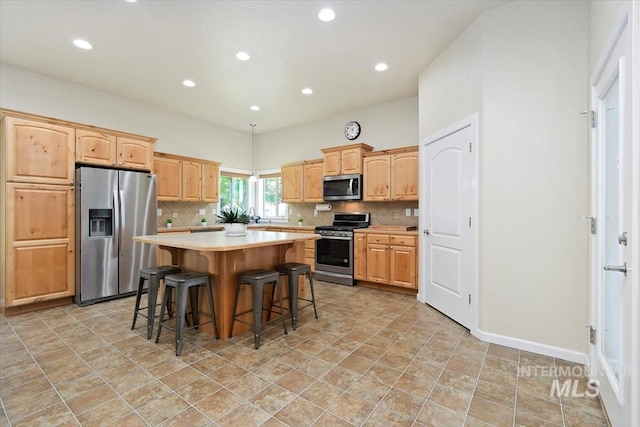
(112, 206)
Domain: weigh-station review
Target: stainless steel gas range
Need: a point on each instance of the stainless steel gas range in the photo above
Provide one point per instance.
(334, 252)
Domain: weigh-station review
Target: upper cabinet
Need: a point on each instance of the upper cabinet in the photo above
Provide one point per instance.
(292, 183)
(302, 182)
(106, 149)
(186, 179)
(38, 152)
(344, 159)
(313, 180)
(391, 175)
(210, 182)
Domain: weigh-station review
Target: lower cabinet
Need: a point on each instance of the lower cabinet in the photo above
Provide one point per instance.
(389, 259)
(39, 252)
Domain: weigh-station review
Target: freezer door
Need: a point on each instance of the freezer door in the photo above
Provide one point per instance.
(96, 234)
(138, 208)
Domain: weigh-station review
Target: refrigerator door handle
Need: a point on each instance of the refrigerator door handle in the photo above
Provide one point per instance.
(116, 217)
(122, 224)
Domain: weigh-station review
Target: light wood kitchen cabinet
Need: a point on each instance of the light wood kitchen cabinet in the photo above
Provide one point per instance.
(404, 175)
(105, 149)
(403, 261)
(210, 182)
(186, 179)
(191, 181)
(38, 152)
(344, 160)
(391, 175)
(376, 178)
(390, 259)
(37, 219)
(169, 178)
(39, 243)
(378, 258)
(292, 183)
(313, 181)
(360, 256)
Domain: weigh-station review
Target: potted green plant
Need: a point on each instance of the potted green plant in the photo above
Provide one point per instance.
(300, 221)
(169, 223)
(235, 222)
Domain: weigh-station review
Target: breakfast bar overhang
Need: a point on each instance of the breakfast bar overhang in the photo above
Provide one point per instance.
(223, 257)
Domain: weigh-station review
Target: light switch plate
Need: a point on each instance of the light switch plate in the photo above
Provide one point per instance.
(416, 212)
(159, 212)
(202, 212)
(407, 212)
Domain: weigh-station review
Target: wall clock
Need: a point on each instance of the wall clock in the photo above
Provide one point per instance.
(352, 130)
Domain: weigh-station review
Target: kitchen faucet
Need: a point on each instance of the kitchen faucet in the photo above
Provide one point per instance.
(252, 212)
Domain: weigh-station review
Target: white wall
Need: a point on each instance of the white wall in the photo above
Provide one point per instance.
(602, 17)
(528, 82)
(389, 125)
(34, 93)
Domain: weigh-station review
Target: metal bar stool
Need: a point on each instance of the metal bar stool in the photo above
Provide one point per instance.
(257, 279)
(293, 270)
(186, 283)
(153, 275)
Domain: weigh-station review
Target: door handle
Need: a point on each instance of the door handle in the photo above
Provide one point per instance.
(116, 228)
(426, 231)
(122, 243)
(618, 268)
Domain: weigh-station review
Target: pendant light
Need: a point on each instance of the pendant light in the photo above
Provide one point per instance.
(253, 177)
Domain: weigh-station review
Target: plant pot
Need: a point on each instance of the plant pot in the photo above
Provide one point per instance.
(204, 224)
(169, 225)
(235, 229)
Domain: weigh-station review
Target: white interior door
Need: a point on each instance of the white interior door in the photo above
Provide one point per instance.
(448, 223)
(611, 293)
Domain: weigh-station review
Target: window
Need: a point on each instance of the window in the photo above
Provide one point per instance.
(234, 191)
(270, 197)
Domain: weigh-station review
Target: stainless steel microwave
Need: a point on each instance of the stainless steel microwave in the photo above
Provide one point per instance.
(342, 187)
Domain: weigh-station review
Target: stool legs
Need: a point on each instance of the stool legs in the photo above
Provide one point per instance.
(152, 298)
(137, 307)
(294, 277)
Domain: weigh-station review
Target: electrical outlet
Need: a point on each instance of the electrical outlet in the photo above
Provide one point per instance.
(315, 212)
(416, 212)
(290, 211)
(202, 212)
(159, 212)
(175, 214)
(407, 212)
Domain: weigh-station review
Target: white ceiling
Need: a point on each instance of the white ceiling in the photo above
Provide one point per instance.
(144, 50)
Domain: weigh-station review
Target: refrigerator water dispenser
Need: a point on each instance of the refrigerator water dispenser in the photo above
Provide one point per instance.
(100, 222)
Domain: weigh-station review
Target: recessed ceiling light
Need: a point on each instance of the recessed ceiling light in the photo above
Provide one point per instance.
(307, 91)
(326, 15)
(130, 1)
(255, 108)
(381, 66)
(243, 56)
(82, 44)
(188, 83)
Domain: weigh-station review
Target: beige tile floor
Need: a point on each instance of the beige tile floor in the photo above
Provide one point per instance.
(373, 358)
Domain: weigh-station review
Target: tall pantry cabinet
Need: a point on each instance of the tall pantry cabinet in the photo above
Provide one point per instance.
(37, 201)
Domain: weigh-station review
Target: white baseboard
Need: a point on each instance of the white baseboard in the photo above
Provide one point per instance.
(533, 347)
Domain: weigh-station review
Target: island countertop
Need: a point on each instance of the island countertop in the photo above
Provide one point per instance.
(216, 241)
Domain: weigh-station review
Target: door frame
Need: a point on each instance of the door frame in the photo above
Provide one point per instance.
(629, 22)
(473, 122)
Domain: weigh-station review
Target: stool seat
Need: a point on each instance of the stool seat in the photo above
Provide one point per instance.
(293, 267)
(257, 279)
(293, 270)
(153, 275)
(187, 283)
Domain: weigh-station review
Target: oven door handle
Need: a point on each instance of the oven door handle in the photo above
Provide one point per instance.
(337, 238)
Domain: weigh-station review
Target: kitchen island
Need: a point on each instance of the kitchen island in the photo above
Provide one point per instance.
(223, 257)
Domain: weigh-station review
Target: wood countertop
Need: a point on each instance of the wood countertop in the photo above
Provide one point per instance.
(216, 241)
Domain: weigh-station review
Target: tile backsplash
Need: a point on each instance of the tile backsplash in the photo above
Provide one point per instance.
(382, 213)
